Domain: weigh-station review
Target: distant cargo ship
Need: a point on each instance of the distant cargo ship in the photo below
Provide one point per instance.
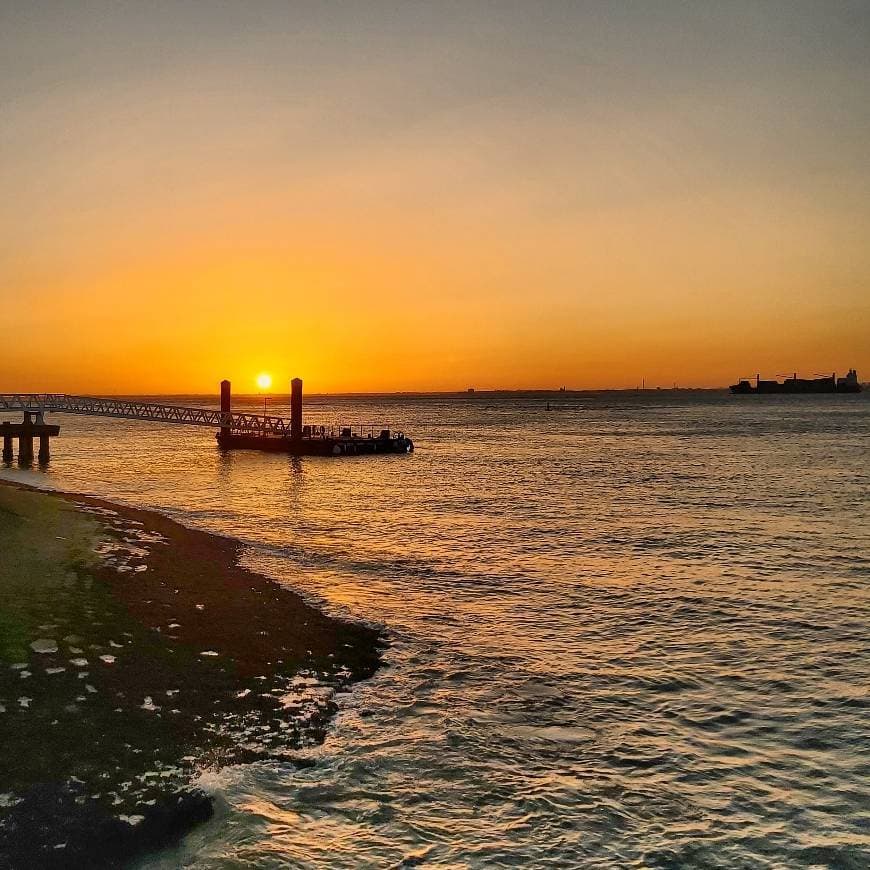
(794, 384)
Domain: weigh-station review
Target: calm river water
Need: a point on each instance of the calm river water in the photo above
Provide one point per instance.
(628, 632)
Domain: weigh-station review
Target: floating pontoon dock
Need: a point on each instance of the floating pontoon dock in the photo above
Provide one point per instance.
(235, 431)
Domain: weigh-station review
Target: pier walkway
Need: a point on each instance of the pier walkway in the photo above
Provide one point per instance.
(235, 431)
(92, 406)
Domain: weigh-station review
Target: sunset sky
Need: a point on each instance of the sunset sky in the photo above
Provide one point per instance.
(429, 196)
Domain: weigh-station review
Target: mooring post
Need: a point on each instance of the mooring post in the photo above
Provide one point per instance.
(7, 448)
(225, 407)
(296, 409)
(44, 453)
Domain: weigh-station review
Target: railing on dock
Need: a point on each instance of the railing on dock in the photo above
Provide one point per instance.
(340, 431)
(131, 410)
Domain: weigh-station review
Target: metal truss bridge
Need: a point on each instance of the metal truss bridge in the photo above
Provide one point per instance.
(91, 406)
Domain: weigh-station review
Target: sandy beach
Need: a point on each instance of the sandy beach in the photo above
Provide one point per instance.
(135, 653)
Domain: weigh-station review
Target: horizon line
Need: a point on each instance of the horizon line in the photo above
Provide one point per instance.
(459, 392)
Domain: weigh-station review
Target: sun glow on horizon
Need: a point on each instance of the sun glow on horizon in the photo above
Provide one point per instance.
(405, 200)
(264, 380)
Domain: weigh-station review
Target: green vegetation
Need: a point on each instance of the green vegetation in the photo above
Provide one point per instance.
(133, 652)
(47, 549)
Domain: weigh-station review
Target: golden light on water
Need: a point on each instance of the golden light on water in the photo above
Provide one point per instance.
(264, 380)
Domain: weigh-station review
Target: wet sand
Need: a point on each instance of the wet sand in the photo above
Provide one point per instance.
(135, 653)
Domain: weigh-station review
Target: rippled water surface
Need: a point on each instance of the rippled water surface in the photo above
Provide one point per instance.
(628, 632)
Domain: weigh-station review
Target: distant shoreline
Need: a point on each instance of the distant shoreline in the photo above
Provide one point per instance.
(254, 396)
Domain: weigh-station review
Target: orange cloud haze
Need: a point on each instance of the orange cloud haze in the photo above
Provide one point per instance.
(408, 201)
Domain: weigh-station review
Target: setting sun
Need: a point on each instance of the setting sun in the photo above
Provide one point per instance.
(264, 380)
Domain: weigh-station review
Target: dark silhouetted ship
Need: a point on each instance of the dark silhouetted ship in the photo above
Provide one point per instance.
(794, 384)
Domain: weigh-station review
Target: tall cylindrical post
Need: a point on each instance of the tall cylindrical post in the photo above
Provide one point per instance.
(44, 452)
(296, 408)
(7, 448)
(225, 406)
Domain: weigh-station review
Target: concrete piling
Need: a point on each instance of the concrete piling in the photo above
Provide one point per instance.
(25, 432)
(25, 448)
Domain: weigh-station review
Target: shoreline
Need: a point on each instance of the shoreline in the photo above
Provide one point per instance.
(144, 654)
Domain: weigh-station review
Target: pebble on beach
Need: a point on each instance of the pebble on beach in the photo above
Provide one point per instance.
(44, 645)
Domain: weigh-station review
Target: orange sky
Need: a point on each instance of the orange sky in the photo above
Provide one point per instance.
(432, 196)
